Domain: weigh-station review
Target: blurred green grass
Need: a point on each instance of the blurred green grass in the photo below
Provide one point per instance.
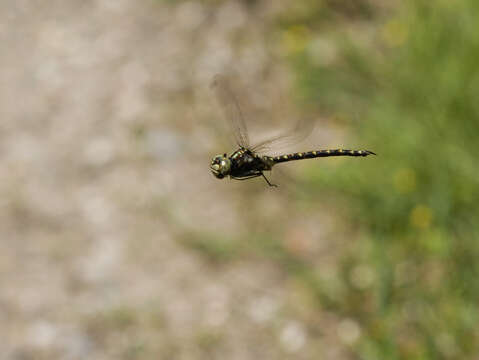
(411, 94)
(406, 82)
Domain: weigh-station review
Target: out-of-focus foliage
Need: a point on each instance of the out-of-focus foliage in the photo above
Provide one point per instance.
(411, 90)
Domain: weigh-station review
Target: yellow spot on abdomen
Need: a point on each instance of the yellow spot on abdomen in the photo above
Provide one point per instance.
(314, 153)
(285, 156)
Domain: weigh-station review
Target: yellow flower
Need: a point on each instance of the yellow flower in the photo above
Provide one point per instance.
(395, 33)
(404, 180)
(421, 217)
(295, 39)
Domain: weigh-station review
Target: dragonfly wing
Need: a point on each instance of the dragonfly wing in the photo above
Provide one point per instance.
(231, 109)
(294, 136)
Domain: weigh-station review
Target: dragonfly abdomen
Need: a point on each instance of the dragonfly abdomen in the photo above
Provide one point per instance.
(320, 153)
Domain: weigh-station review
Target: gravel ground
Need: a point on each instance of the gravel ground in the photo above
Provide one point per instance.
(107, 126)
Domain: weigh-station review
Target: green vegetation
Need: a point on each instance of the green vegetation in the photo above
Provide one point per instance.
(406, 82)
(410, 88)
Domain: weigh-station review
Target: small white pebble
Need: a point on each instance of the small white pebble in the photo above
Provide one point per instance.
(99, 151)
(263, 309)
(42, 334)
(348, 331)
(189, 15)
(293, 337)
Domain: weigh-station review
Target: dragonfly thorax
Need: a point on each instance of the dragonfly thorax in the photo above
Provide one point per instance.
(220, 166)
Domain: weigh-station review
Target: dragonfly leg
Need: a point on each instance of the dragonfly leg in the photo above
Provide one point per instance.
(253, 176)
(268, 181)
(245, 177)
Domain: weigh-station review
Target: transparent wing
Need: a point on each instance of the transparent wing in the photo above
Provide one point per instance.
(231, 109)
(294, 136)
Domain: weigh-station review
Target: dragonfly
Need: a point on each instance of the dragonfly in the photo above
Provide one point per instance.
(247, 162)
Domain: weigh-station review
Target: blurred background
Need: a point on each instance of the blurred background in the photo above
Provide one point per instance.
(118, 243)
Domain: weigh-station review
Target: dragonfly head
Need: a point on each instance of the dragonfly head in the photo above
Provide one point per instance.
(220, 166)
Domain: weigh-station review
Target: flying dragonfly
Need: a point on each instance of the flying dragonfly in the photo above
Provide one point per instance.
(246, 162)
